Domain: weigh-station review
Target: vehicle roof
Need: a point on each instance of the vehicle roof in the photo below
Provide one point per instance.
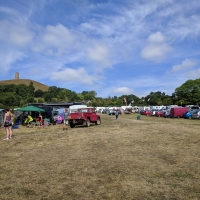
(85, 108)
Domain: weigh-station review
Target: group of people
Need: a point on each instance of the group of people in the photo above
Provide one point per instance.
(9, 119)
(29, 121)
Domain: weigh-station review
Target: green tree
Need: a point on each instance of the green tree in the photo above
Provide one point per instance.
(62, 95)
(22, 90)
(31, 100)
(10, 88)
(9, 99)
(53, 90)
(188, 92)
(40, 100)
(167, 101)
(89, 95)
(71, 96)
(80, 97)
(48, 96)
(31, 90)
(1, 89)
(39, 93)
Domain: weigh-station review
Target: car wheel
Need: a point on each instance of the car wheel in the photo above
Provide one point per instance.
(189, 117)
(88, 123)
(72, 125)
(98, 122)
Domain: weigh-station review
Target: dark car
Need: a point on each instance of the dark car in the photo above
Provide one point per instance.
(112, 112)
(105, 111)
(142, 112)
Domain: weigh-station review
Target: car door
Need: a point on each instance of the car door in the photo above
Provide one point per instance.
(93, 115)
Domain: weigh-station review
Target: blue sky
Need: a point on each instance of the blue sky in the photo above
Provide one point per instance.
(111, 46)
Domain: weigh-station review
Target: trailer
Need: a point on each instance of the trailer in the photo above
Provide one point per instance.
(178, 112)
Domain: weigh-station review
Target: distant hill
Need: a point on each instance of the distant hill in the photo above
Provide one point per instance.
(36, 84)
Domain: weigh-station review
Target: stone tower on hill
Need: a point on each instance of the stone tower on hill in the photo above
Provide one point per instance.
(16, 75)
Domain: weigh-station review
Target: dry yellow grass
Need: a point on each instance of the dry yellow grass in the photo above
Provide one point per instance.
(36, 84)
(152, 158)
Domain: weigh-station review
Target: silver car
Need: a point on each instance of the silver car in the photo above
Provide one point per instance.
(196, 114)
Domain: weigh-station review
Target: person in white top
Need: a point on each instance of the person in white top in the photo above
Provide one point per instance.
(66, 116)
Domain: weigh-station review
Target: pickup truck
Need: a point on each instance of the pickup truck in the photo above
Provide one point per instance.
(84, 116)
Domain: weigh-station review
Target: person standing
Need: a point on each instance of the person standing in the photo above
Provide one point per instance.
(41, 120)
(66, 117)
(116, 114)
(8, 124)
(12, 118)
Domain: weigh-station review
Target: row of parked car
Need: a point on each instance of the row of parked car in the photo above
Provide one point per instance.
(181, 112)
(110, 112)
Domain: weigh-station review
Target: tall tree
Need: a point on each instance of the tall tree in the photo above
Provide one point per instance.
(188, 92)
(31, 89)
(39, 93)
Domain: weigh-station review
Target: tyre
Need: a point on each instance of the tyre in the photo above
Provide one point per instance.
(88, 122)
(72, 125)
(98, 122)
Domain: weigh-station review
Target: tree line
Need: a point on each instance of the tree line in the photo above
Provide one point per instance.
(12, 95)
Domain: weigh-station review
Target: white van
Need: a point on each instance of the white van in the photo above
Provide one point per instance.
(73, 109)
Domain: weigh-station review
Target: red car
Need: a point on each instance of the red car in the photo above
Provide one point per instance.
(159, 113)
(84, 116)
(147, 112)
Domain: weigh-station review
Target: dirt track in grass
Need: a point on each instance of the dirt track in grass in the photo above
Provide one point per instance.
(150, 158)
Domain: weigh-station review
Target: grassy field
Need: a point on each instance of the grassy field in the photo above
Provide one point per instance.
(151, 158)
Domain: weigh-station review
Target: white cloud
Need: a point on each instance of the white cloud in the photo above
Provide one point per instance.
(157, 48)
(194, 74)
(8, 10)
(8, 57)
(99, 54)
(73, 75)
(156, 38)
(123, 90)
(55, 40)
(58, 36)
(186, 64)
(17, 35)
